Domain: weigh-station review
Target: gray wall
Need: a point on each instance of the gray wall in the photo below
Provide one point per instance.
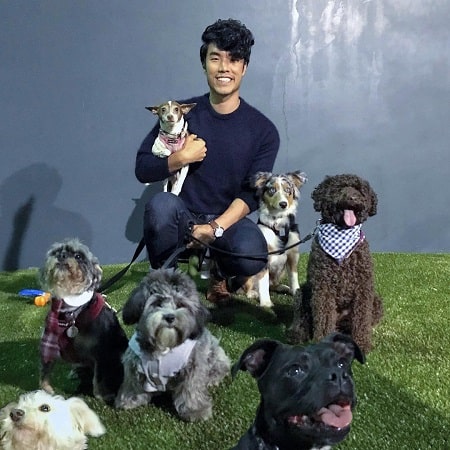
(353, 86)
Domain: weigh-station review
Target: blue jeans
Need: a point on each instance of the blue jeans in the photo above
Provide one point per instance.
(167, 223)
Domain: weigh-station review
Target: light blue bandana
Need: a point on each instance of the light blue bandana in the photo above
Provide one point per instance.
(159, 368)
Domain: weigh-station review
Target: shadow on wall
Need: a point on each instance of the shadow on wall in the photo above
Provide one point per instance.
(29, 220)
(134, 229)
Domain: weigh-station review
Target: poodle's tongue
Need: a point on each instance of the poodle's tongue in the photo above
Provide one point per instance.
(335, 416)
(349, 217)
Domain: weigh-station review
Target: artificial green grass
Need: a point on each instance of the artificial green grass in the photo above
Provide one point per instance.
(403, 389)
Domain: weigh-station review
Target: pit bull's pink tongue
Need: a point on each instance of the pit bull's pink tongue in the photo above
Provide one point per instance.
(349, 218)
(336, 416)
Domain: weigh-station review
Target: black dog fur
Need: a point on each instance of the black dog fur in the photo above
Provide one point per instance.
(95, 353)
(299, 387)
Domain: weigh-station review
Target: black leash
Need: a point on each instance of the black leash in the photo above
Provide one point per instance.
(254, 255)
(121, 273)
(183, 247)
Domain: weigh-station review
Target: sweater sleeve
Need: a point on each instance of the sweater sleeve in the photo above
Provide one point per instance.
(150, 168)
(263, 161)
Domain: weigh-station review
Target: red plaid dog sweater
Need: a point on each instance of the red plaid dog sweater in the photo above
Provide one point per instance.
(54, 339)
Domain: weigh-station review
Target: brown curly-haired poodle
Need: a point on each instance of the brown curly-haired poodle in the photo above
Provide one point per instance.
(339, 293)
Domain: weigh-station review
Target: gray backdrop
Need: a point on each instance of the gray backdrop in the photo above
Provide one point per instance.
(353, 86)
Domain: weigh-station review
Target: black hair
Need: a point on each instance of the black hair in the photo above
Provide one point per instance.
(228, 35)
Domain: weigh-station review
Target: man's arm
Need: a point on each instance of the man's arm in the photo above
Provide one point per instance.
(235, 212)
(150, 168)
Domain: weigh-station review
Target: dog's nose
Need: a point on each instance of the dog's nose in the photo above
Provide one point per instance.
(283, 205)
(169, 318)
(16, 414)
(338, 377)
(62, 256)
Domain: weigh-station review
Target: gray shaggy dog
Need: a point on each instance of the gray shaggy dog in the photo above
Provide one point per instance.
(80, 327)
(171, 349)
(339, 293)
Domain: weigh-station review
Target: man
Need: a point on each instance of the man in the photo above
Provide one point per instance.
(230, 142)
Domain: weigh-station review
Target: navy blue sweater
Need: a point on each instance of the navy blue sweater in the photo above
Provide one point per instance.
(239, 145)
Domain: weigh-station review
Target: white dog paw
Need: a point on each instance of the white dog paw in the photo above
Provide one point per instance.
(265, 303)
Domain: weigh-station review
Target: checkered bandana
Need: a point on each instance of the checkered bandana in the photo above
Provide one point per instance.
(339, 243)
(59, 319)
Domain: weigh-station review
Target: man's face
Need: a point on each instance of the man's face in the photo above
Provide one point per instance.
(223, 73)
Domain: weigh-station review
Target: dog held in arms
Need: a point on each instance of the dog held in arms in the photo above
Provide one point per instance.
(339, 293)
(41, 421)
(172, 134)
(278, 197)
(80, 328)
(307, 393)
(171, 350)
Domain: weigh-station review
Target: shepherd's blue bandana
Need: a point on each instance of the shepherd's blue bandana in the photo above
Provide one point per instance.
(339, 243)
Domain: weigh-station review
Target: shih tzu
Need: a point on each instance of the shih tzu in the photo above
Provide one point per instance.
(81, 328)
(171, 349)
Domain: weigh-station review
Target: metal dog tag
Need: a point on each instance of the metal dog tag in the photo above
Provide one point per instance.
(72, 331)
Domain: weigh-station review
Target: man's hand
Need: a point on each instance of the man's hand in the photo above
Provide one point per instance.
(203, 233)
(194, 150)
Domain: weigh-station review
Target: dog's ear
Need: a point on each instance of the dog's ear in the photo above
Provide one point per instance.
(153, 109)
(256, 358)
(85, 419)
(320, 192)
(202, 316)
(186, 107)
(372, 197)
(259, 179)
(134, 306)
(298, 178)
(344, 344)
(97, 273)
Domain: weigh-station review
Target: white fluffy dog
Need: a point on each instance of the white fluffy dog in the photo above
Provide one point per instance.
(171, 349)
(41, 421)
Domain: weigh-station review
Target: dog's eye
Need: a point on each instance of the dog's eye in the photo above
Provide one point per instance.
(271, 191)
(78, 256)
(288, 190)
(295, 370)
(176, 109)
(44, 408)
(342, 363)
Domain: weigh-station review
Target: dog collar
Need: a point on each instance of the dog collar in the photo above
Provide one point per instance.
(339, 243)
(79, 299)
(158, 369)
(172, 142)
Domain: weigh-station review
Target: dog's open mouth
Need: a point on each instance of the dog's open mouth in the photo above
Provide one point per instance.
(336, 416)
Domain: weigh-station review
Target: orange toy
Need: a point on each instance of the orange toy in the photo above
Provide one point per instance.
(41, 298)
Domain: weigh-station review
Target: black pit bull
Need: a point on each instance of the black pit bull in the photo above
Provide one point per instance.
(307, 393)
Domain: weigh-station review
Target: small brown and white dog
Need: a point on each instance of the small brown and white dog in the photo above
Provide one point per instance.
(172, 134)
(278, 199)
(41, 421)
